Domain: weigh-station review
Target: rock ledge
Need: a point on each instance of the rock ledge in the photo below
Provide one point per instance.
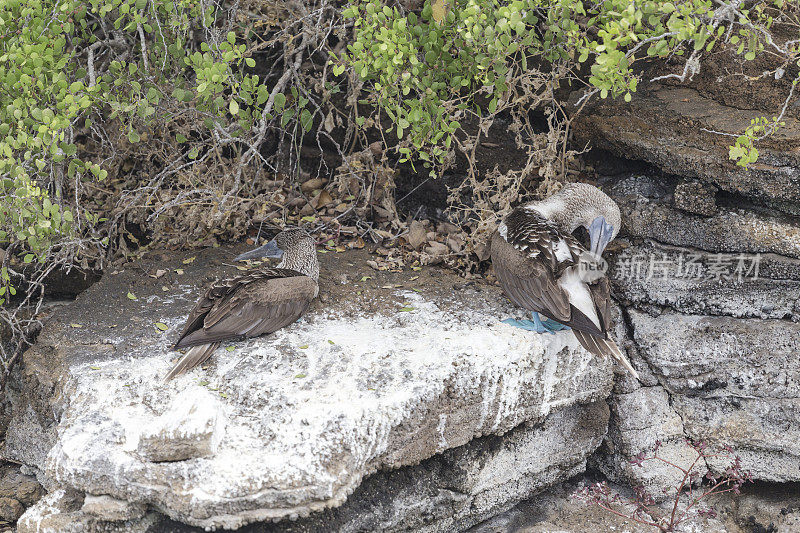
(282, 426)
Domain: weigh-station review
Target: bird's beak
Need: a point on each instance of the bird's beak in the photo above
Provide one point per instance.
(600, 233)
(268, 250)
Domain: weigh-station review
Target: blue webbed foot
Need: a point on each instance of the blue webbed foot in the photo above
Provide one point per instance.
(536, 324)
(551, 325)
(527, 325)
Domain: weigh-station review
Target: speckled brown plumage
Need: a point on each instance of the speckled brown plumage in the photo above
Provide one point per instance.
(250, 305)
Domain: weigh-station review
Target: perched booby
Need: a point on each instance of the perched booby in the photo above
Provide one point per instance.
(544, 269)
(255, 303)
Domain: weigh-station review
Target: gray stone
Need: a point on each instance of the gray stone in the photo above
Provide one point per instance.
(191, 427)
(639, 420)
(770, 508)
(671, 127)
(310, 411)
(730, 230)
(695, 197)
(10, 509)
(60, 512)
(111, 509)
(716, 340)
(703, 283)
(17, 492)
(455, 490)
(561, 509)
(448, 492)
(734, 382)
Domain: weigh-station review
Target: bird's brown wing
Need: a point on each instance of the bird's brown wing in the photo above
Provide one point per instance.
(226, 308)
(260, 307)
(534, 289)
(527, 265)
(601, 297)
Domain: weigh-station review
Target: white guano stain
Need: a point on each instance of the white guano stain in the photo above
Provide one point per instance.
(440, 429)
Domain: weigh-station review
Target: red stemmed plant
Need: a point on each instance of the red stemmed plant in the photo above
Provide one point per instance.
(667, 518)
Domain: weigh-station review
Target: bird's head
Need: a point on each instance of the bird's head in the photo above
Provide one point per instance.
(582, 205)
(294, 247)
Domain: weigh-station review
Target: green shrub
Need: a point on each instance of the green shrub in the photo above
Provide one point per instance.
(85, 79)
(424, 70)
(116, 112)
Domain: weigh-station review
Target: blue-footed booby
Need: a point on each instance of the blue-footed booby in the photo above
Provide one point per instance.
(544, 269)
(253, 304)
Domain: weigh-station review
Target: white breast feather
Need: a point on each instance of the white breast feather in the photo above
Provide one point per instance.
(579, 294)
(561, 250)
(502, 229)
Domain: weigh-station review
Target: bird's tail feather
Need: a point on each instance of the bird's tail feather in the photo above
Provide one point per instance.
(605, 347)
(195, 356)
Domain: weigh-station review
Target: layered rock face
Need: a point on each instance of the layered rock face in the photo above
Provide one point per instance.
(676, 128)
(709, 279)
(377, 376)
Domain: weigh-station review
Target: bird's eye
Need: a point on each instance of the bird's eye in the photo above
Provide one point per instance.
(582, 234)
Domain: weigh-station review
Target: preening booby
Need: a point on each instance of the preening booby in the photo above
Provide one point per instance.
(255, 303)
(544, 269)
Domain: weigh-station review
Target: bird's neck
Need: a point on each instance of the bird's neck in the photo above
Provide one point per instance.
(306, 264)
(558, 211)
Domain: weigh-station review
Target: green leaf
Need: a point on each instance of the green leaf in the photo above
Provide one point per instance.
(286, 116)
(250, 62)
(132, 296)
(263, 94)
(406, 309)
(280, 101)
(306, 120)
(161, 326)
(234, 107)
